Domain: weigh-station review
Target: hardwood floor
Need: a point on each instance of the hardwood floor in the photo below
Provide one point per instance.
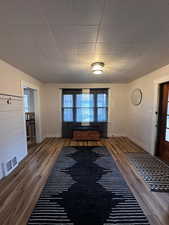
(21, 189)
(155, 205)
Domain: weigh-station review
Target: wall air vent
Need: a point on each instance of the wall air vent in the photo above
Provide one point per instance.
(14, 161)
(9, 165)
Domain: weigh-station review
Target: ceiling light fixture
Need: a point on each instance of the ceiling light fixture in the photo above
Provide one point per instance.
(97, 67)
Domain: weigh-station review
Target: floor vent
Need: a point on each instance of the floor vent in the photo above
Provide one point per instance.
(9, 166)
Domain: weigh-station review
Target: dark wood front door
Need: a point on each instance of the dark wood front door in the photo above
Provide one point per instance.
(163, 123)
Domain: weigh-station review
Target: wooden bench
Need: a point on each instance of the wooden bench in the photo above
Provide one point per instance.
(86, 134)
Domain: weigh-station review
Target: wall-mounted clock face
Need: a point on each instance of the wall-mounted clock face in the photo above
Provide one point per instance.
(136, 96)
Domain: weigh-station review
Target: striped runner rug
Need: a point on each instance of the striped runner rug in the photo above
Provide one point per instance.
(85, 187)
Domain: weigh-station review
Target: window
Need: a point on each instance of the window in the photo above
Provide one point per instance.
(167, 122)
(85, 107)
(26, 103)
(101, 107)
(68, 108)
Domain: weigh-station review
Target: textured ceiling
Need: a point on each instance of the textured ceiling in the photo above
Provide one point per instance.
(57, 40)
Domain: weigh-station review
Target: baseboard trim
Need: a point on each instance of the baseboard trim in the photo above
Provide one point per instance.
(139, 144)
(53, 136)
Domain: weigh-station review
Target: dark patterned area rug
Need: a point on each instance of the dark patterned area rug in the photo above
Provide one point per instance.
(155, 172)
(86, 188)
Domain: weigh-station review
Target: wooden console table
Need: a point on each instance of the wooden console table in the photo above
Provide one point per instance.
(86, 134)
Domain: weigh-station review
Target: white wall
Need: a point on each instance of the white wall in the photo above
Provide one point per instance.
(11, 80)
(142, 119)
(118, 103)
(14, 143)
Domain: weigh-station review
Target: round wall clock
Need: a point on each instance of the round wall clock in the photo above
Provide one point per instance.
(136, 96)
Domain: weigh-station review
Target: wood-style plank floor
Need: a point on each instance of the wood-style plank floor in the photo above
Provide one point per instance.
(21, 189)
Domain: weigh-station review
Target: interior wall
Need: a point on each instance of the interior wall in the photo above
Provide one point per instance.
(141, 127)
(10, 83)
(118, 103)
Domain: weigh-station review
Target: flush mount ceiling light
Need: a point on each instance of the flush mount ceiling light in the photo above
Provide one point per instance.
(97, 67)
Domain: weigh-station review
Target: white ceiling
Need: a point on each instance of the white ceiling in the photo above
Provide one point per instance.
(57, 40)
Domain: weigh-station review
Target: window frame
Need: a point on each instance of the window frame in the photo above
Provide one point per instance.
(83, 107)
(95, 108)
(63, 108)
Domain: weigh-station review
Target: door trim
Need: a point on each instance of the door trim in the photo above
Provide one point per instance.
(156, 102)
(25, 84)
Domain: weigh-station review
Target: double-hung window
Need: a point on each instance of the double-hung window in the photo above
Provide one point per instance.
(84, 108)
(102, 107)
(68, 107)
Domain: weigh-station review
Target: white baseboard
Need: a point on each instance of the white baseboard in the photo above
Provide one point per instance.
(139, 143)
(53, 135)
(118, 135)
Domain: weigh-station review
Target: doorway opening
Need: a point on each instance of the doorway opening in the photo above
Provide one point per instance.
(30, 121)
(162, 148)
